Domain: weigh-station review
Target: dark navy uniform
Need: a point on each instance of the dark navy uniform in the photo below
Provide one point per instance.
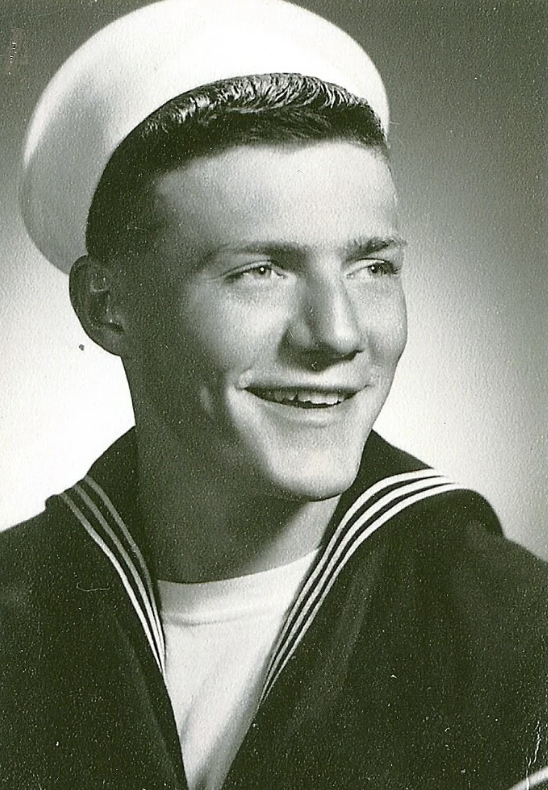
(415, 656)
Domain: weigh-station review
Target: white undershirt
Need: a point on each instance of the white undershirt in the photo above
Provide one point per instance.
(219, 639)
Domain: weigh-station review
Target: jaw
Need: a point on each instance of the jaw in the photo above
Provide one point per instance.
(297, 452)
(242, 441)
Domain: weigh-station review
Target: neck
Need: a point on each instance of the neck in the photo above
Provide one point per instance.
(203, 527)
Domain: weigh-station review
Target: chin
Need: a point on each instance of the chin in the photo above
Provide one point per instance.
(313, 479)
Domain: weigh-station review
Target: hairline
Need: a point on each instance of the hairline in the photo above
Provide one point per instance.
(269, 111)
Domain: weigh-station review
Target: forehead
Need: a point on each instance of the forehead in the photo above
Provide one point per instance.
(305, 194)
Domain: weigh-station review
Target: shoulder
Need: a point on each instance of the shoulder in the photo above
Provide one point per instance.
(449, 539)
(34, 577)
(35, 543)
(451, 606)
(23, 547)
(392, 478)
(56, 538)
(43, 561)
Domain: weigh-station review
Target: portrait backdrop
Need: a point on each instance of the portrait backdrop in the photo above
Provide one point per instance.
(467, 83)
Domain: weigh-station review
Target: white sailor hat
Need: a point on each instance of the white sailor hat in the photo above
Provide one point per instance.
(133, 66)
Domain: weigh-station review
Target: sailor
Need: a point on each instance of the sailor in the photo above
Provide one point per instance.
(251, 589)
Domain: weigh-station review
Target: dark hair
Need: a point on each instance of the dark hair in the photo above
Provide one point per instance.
(272, 109)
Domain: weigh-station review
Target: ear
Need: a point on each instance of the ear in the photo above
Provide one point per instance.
(94, 293)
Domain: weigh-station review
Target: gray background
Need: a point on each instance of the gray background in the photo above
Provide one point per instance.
(467, 84)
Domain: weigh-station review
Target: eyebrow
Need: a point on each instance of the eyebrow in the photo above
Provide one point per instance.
(369, 246)
(357, 246)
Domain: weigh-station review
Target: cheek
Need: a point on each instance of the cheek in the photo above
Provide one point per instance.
(399, 332)
(386, 322)
(228, 336)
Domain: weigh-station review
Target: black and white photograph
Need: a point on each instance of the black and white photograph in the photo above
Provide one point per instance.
(274, 395)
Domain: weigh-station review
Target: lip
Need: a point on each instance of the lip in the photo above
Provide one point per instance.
(306, 386)
(320, 415)
(308, 398)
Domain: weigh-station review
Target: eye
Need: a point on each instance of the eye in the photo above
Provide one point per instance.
(380, 268)
(254, 272)
(262, 272)
(374, 269)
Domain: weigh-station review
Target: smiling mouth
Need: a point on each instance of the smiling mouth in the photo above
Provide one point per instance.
(302, 399)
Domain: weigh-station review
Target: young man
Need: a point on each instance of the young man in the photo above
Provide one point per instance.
(251, 589)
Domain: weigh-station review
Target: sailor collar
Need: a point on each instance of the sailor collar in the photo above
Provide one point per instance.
(105, 503)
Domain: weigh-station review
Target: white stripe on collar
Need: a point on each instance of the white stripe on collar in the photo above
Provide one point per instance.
(533, 780)
(109, 537)
(376, 506)
(142, 567)
(354, 528)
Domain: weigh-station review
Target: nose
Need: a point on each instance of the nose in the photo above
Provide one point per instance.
(325, 324)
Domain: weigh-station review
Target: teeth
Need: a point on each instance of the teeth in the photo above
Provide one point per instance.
(280, 396)
(304, 396)
(318, 398)
(333, 398)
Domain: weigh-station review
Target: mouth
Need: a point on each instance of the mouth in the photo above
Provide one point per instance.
(303, 399)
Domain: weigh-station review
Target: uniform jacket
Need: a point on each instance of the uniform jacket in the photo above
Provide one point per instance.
(414, 658)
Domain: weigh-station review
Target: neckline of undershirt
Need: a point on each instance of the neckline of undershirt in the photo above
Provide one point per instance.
(232, 599)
